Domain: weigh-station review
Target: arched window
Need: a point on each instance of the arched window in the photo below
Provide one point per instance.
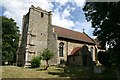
(61, 48)
(91, 50)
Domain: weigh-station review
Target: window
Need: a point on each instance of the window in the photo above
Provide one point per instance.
(61, 47)
(33, 35)
(91, 50)
(42, 14)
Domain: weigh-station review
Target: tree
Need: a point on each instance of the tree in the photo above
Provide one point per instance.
(105, 19)
(103, 58)
(10, 38)
(47, 55)
(35, 62)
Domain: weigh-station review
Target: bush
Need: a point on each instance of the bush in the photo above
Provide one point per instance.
(47, 55)
(103, 58)
(35, 62)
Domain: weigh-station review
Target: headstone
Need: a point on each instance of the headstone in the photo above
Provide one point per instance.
(97, 69)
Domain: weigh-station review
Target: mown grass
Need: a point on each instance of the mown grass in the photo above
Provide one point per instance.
(55, 72)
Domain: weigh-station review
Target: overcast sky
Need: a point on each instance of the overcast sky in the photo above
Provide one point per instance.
(65, 13)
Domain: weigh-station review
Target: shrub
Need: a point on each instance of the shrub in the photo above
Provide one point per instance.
(35, 62)
(47, 55)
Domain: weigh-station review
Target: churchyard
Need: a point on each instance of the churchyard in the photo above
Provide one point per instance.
(57, 72)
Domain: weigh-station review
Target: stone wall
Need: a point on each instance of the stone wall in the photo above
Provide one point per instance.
(52, 41)
(72, 45)
(69, 45)
(22, 43)
(75, 60)
(37, 32)
(37, 35)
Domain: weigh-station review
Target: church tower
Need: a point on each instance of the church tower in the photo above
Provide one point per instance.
(37, 35)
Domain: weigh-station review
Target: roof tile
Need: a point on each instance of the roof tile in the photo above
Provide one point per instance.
(70, 34)
(75, 51)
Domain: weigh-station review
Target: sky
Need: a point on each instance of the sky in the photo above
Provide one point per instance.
(65, 13)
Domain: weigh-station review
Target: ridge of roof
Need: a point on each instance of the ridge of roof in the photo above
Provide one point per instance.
(89, 37)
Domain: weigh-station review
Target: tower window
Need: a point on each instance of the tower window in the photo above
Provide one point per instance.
(42, 14)
(61, 47)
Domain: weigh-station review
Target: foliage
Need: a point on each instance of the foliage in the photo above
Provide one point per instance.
(10, 38)
(103, 58)
(47, 55)
(35, 62)
(105, 19)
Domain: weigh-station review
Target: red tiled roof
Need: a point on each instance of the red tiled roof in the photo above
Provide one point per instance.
(70, 34)
(75, 51)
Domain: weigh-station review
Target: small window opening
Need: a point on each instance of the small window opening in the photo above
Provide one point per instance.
(42, 14)
(91, 50)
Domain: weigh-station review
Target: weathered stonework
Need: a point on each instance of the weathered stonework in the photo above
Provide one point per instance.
(70, 45)
(22, 45)
(38, 34)
(52, 42)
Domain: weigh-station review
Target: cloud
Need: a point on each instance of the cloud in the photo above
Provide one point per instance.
(7, 14)
(17, 8)
(80, 3)
(66, 12)
(44, 4)
(61, 21)
(79, 26)
(61, 13)
(61, 2)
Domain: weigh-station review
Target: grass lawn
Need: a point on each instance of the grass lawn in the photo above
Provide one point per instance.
(54, 72)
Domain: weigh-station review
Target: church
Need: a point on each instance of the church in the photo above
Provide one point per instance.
(38, 33)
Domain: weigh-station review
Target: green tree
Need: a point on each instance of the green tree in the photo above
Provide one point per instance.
(47, 55)
(35, 62)
(105, 18)
(10, 38)
(103, 58)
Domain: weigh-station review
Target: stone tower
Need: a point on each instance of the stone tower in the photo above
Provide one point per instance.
(37, 35)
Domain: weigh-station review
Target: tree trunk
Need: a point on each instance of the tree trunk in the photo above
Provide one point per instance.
(118, 74)
(47, 65)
